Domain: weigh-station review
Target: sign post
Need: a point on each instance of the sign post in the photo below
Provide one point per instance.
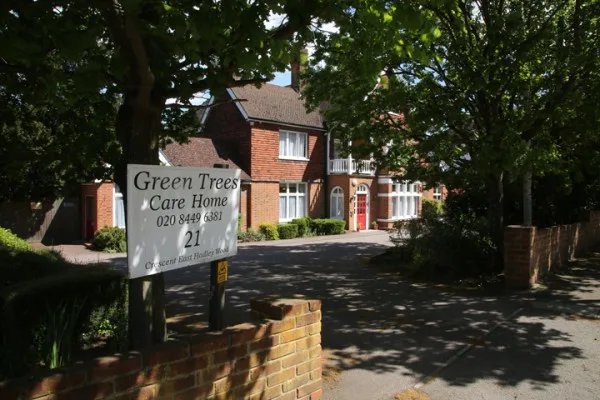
(218, 277)
(179, 216)
(219, 271)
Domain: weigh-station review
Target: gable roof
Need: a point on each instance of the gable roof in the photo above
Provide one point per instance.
(276, 104)
(203, 152)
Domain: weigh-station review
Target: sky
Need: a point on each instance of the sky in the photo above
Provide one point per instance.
(282, 79)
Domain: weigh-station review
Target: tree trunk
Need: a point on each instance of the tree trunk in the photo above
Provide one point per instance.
(138, 126)
(527, 199)
(495, 193)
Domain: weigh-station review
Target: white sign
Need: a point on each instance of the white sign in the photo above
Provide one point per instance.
(178, 216)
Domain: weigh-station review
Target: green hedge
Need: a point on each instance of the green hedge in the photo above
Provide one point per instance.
(303, 225)
(324, 226)
(19, 266)
(45, 320)
(287, 231)
(9, 240)
(269, 231)
(110, 239)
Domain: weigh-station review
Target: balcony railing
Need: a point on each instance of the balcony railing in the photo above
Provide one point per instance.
(349, 166)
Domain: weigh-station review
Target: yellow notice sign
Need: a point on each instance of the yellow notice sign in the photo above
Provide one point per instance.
(222, 268)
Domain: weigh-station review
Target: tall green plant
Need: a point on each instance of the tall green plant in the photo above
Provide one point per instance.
(59, 332)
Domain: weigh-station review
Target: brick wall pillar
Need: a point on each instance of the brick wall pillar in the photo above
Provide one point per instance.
(385, 212)
(518, 254)
(105, 206)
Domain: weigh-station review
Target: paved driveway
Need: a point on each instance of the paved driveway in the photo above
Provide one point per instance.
(383, 335)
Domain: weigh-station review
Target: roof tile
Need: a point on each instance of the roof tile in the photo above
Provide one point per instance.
(276, 104)
(203, 152)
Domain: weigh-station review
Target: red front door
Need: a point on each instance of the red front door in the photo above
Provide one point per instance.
(361, 211)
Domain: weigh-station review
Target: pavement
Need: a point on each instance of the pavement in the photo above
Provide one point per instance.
(385, 337)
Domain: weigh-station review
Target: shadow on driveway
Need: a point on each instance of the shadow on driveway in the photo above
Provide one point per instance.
(376, 323)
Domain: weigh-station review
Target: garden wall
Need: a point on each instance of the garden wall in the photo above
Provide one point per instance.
(530, 252)
(279, 359)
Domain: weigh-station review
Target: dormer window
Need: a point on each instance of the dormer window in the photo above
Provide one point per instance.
(293, 145)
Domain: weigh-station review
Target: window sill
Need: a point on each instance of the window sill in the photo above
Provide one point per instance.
(393, 219)
(293, 158)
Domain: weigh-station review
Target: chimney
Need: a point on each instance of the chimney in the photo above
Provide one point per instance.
(298, 67)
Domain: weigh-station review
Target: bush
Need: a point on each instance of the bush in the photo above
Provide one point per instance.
(110, 239)
(431, 209)
(324, 226)
(16, 267)
(303, 225)
(45, 320)
(287, 231)
(269, 231)
(250, 236)
(445, 246)
(10, 241)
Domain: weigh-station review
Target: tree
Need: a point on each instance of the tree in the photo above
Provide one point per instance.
(47, 150)
(487, 90)
(144, 53)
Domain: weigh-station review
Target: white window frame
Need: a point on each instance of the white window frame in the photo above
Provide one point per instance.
(437, 192)
(409, 191)
(299, 197)
(283, 152)
(116, 196)
(336, 192)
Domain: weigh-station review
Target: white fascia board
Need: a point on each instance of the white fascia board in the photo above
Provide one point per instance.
(162, 157)
(289, 125)
(205, 115)
(238, 104)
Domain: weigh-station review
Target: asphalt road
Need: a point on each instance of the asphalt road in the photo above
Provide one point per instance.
(383, 335)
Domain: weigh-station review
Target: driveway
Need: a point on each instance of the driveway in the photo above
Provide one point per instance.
(384, 336)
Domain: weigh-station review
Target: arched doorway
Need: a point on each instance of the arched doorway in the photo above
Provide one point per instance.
(362, 207)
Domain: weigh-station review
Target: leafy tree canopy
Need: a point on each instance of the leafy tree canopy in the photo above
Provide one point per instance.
(482, 89)
(124, 59)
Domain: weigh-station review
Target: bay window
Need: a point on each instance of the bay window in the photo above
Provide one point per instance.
(405, 200)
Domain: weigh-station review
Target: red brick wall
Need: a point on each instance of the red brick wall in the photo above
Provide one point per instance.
(103, 194)
(225, 123)
(105, 198)
(244, 210)
(266, 165)
(278, 359)
(316, 199)
(384, 209)
(530, 252)
(264, 203)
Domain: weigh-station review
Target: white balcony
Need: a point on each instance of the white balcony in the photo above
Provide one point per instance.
(349, 166)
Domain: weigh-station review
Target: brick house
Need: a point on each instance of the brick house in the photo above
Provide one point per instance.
(295, 167)
(282, 147)
(291, 167)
